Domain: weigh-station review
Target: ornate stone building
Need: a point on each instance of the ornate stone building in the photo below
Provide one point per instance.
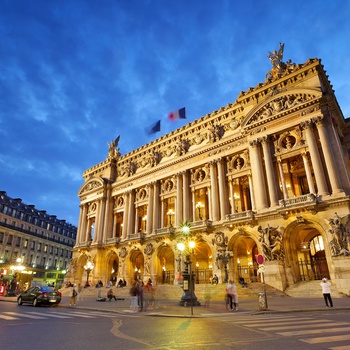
(267, 174)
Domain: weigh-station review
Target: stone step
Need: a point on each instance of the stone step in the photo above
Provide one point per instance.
(310, 289)
(174, 292)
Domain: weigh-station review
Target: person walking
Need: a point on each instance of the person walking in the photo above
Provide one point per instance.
(231, 295)
(133, 294)
(73, 295)
(326, 291)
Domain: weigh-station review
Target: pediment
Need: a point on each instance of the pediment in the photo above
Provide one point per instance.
(280, 104)
(91, 186)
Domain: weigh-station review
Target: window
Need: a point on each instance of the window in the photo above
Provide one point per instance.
(18, 241)
(32, 245)
(25, 244)
(1, 237)
(9, 240)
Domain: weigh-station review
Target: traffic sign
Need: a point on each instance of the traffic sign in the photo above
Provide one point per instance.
(260, 259)
(261, 269)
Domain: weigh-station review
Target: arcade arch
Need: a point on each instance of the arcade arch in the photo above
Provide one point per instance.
(243, 264)
(305, 252)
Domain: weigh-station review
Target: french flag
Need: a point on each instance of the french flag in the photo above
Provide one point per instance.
(179, 114)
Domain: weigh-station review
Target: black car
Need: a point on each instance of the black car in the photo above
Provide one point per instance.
(39, 295)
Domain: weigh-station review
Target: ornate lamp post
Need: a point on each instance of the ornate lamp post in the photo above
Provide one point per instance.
(170, 213)
(199, 206)
(224, 256)
(88, 268)
(186, 247)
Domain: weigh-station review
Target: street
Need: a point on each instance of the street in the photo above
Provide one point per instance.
(26, 327)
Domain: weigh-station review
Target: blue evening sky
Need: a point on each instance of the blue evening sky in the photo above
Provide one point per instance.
(75, 74)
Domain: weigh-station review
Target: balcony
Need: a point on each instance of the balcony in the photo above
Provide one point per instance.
(308, 201)
(244, 216)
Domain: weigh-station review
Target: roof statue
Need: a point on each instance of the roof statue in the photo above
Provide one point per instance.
(278, 66)
(113, 150)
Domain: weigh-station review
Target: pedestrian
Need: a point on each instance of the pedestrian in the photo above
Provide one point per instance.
(133, 294)
(140, 287)
(73, 295)
(111, 295)
(231, 295)
(326, 291)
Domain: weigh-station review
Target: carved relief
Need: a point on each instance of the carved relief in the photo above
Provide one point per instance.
(123, 253)
(215, 132)
(149, 249)
(198, 175)
(93, 185)
(278, 105)
(288, 140)
(340, 231)
(92, 208)
(271, 242)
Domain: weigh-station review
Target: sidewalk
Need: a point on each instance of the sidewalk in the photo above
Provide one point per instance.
(170, 308)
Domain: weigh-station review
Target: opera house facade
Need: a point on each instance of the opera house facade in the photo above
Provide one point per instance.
(267, 175)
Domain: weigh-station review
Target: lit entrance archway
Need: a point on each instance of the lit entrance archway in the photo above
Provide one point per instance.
(305, 254)
(244, 262)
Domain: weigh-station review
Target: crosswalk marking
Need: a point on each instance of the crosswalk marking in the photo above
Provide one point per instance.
(304, 326)
(24, 315)
(49, 314)
(314, 331)
(9, 318)
(327, 339)
(321, 323)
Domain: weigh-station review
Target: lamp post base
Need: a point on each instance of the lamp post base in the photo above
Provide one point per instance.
(189, 297)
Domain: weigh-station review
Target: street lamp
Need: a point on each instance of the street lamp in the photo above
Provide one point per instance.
(170, 213)
(199, 206)
(88, 268)
(224, 256)
(186, 247)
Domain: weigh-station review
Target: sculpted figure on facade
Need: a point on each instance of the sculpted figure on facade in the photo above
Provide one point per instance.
(271, 242)
(278, 66)
(113, 150)
(339, 245)
(72, 267)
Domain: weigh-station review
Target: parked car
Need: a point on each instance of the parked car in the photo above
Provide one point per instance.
(39, 295)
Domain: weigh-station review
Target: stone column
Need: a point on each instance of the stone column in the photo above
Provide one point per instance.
(125, 215)
(315, 158)
(210, 209)
(131, 212)
(81, 237)
(252, 194)
(214, 192)
(270, 172)
(258, 176)
(156, 205)
(193, 204)
(108, 216)
(329, 156)
(186, 197)
(162, 213)
(179, 200)
(98, 220)
(283, 181)
(137, 228)
(149, 225)
(232, 196)
(310, 181)
(222, 190)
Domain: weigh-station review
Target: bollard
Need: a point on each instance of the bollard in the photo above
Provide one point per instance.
(262, 301)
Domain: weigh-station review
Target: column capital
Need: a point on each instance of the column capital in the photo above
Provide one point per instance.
(254, 143)
(307, 124)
